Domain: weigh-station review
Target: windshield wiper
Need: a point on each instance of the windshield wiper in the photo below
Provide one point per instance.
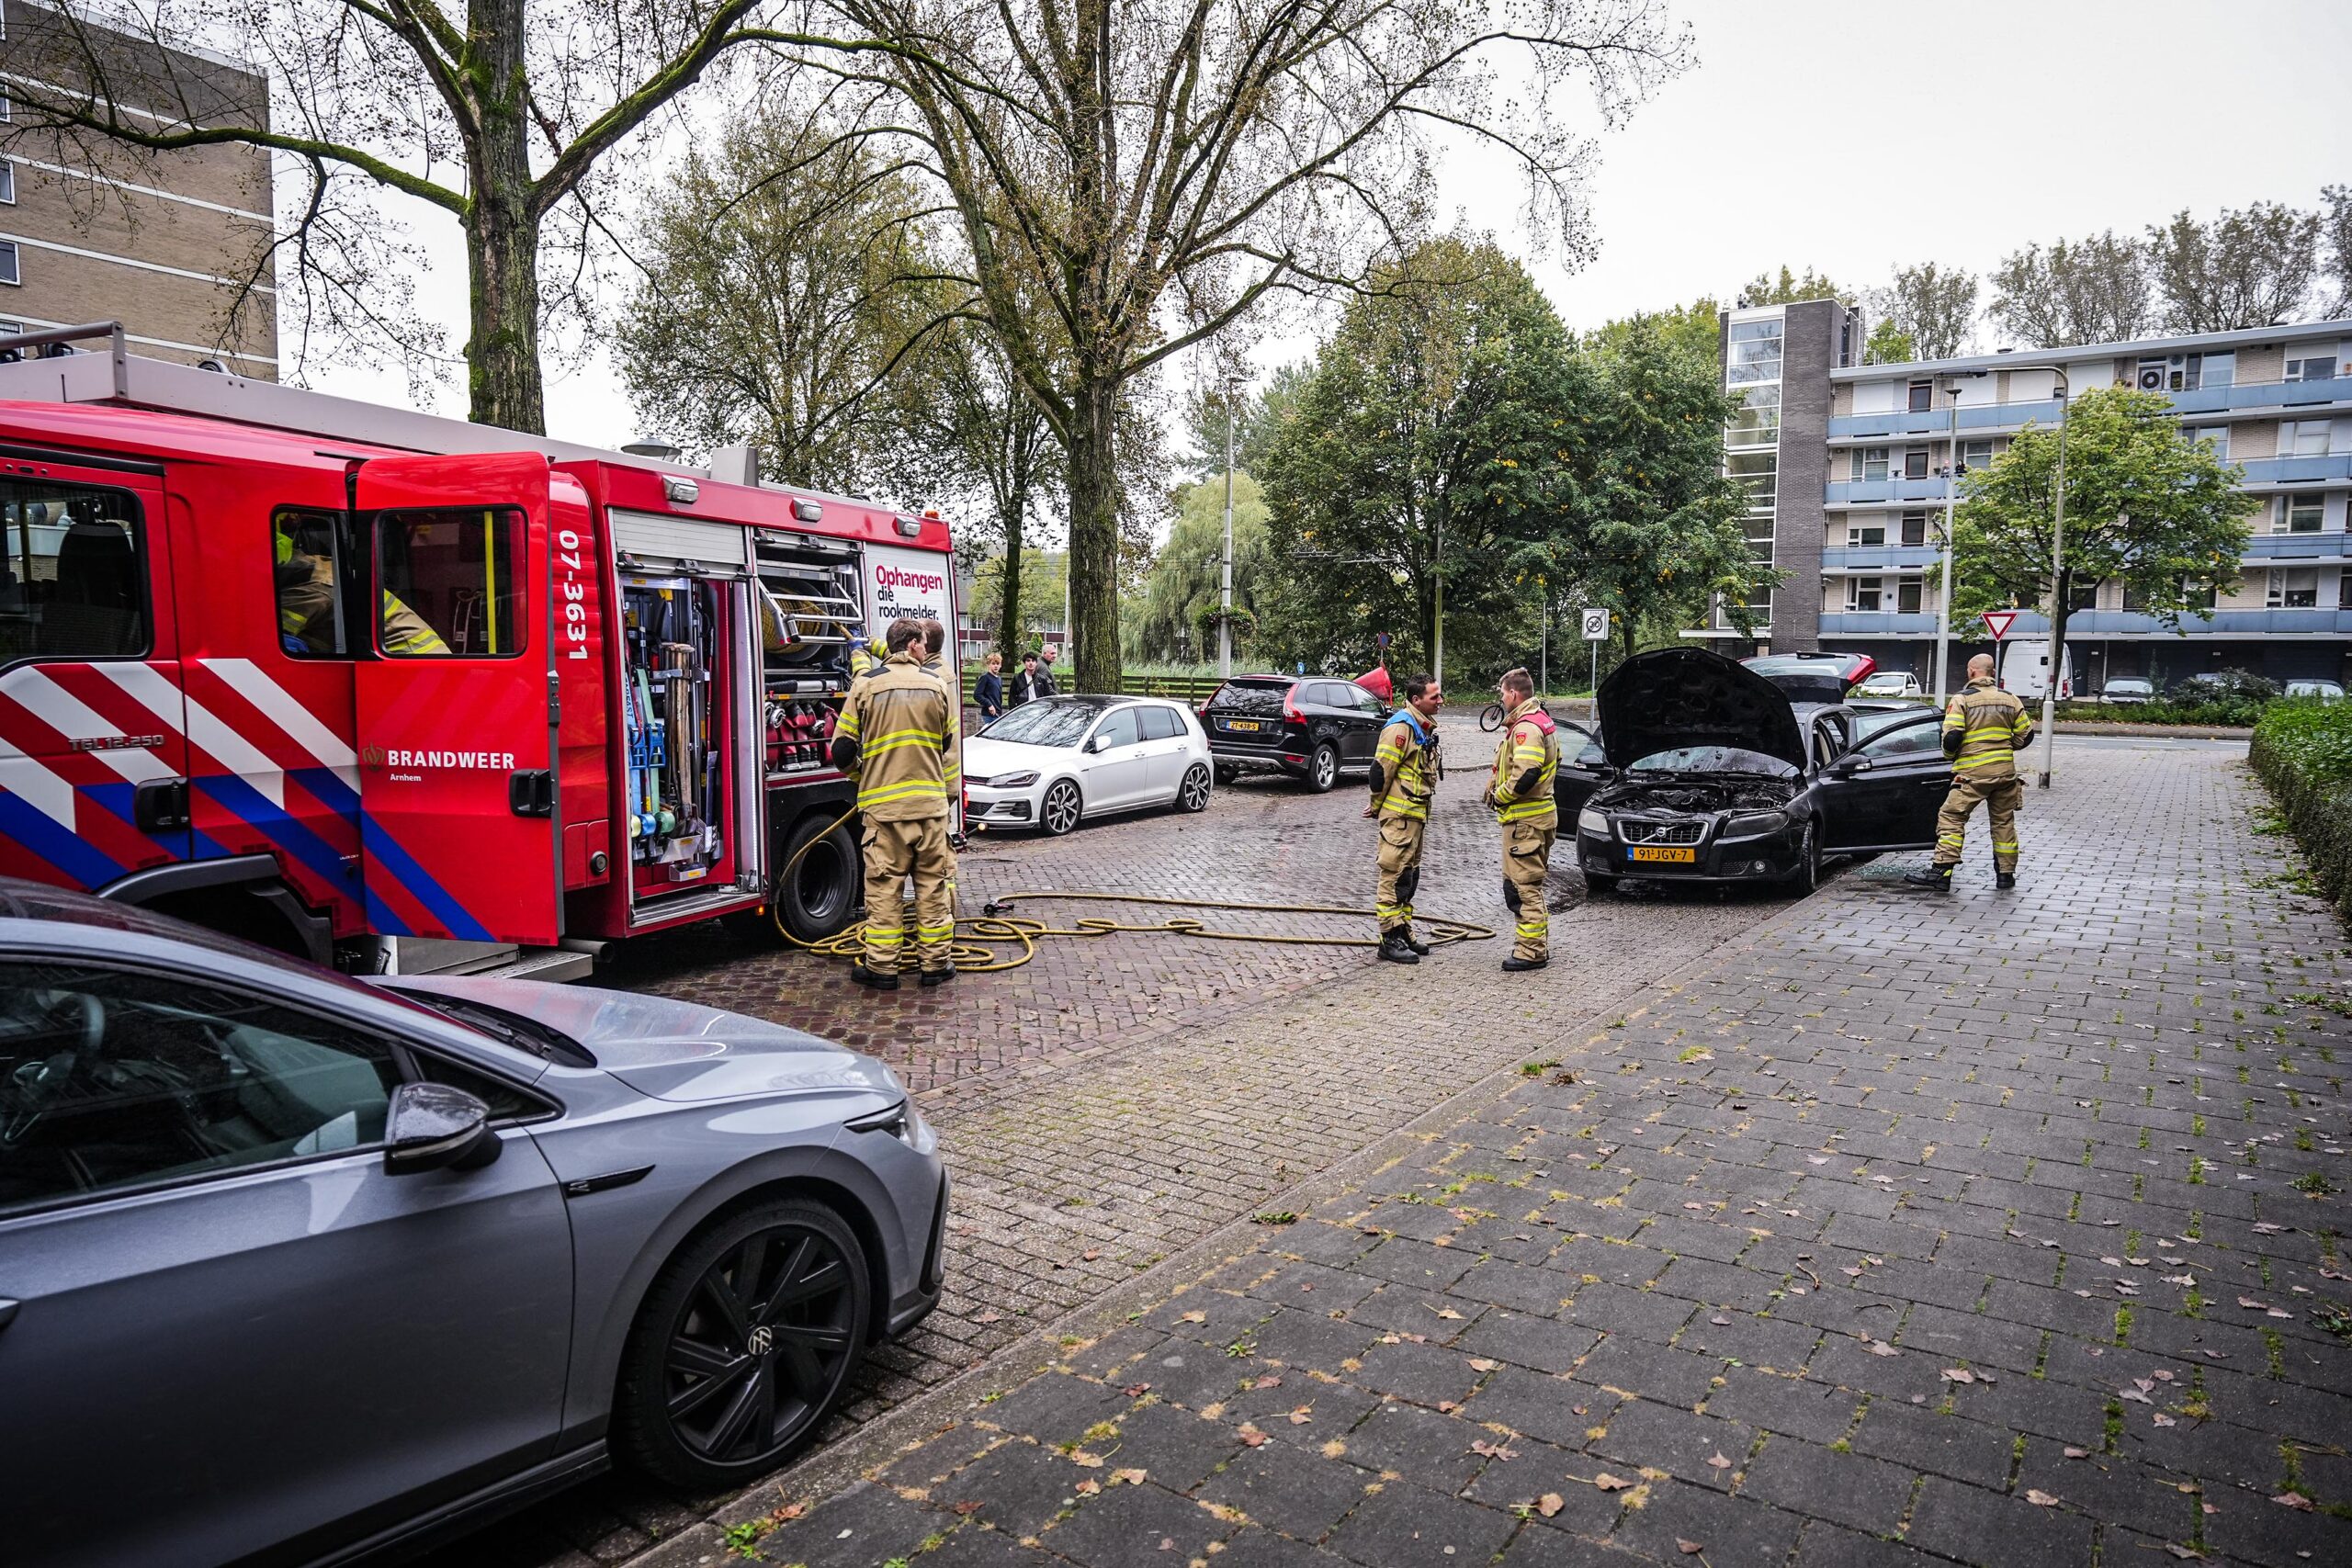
(509, 1029)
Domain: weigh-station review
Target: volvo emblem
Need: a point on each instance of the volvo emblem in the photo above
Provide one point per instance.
(762, 1340)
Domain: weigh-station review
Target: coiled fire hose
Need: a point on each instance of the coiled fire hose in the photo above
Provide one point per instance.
(996, 939)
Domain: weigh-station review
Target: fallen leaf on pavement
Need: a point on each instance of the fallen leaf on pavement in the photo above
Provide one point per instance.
(1193, 1317)
(1717, 1461)
(2186, 1553)
(1688, 1547)
(2251, 1304)
(1087, 1487)
(1480, 1364)
(969, 1507)
(1486, 1449)
(1301, 1415)
(1957, 1374)
(2164, 1420)
(1090, 1255)
(1132, 1477)
(1608, 1483)
(2294, 1500)
(1137, 1389)
(1252, 1436)
(2135, 1394)
(1879, 1347)
(1550, 1503)
(2040, 1499)
(1091, 1461)
(1268, 1381)
(2078, 1453)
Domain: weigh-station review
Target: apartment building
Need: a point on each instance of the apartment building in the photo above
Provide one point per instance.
(162, 243)
(1849, 468)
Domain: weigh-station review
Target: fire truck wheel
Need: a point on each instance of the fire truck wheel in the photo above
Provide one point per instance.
(820, 897)
(744, 1343)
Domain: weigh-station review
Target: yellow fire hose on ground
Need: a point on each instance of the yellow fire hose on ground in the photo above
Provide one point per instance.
(996, 939)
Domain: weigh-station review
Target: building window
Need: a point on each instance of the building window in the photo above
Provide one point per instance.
(1757, 420)
(2301, 512)
(1864, 594)
(2310, 367)
(1861, 536)
(1907, 596)
(1870, 464)
(7, 110)
(1754, 351)
(1757, 472)
(1915, 463)
(9, 272)
(7, 182)
(2217, 436)
(1977, 456)
(2294, 588)
(1923, 396)
(2302, 438)
(1914, 528)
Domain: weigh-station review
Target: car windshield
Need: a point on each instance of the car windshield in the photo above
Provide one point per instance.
(1057, 721)
(1714, 760)
(2127, 685)
(506, 1028)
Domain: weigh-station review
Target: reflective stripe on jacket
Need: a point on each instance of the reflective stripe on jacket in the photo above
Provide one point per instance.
(1402, 767)
(1985, 728)
(898, 716)
(1529, 741)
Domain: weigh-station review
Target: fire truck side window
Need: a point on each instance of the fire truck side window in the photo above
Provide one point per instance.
(309, 564)
(452, 583)
(74, 580)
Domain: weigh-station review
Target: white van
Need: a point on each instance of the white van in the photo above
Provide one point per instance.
(2025, 671)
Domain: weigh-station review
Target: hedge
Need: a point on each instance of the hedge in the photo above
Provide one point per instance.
(2303, 752)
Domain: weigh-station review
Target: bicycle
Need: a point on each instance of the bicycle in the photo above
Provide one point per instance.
(1491, 718)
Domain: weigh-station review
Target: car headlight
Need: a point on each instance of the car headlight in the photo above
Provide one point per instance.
(1013, 781)
(1593, 822)
(902, 1122)
(1747, 824)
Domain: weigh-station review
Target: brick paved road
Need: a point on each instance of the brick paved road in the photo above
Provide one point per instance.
(1900, 1230)
(1122, 1097)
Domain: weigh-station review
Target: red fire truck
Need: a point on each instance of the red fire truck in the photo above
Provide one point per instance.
(407, 693)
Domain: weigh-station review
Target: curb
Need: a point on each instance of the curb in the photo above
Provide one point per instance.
(844, 1463)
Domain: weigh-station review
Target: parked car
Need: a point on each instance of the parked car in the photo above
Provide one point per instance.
(1813, 677)
(1710, 774)
(2127, 689)
(1054, 762)
(329, 1265)
(1312, 727)
(1890, 684)
(2323, 690)
(2025, 671)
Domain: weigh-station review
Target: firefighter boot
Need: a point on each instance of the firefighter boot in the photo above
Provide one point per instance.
(878, 979)
(1520, 965)
(2005, 880)
(1397, 949)
(1416, 944)
(938, 977)
(1936, 877)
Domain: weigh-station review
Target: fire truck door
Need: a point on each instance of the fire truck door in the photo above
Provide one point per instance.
(459, 807)
(93, 743)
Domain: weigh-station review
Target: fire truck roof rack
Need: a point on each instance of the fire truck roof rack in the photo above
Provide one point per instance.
(44, 367)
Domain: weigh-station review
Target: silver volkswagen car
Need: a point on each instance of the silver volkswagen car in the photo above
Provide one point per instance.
(300, 1266)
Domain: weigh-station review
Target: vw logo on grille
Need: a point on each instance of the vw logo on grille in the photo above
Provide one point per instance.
(762, 1340)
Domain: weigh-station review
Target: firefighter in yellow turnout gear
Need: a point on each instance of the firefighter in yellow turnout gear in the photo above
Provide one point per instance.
(893, 738)
(306, 605)
(1985, 728)
(1520, 790)
(1405, 773)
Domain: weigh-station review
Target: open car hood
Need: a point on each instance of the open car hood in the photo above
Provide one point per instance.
(1673, 697)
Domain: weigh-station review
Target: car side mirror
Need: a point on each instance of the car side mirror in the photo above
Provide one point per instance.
(1846, 767)
(432, 1126)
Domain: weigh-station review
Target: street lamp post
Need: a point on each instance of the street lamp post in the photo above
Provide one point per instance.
(1951, 492)
(2057, 575)
(1225, 591)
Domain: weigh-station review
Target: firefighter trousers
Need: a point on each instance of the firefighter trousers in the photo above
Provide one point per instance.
(1400, 870)
(1527, 858)
(2001, 797)
(895, 851)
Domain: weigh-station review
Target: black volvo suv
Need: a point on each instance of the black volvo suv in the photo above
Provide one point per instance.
(1311, 727)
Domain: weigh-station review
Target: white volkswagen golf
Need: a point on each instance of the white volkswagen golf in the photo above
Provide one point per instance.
(1053, 763)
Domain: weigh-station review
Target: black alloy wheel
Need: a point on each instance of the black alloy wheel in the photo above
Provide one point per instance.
(1323, 767)
(818, 896)
(1807, 875)
(1194, 794)
(744, 1345)
(1061, 810)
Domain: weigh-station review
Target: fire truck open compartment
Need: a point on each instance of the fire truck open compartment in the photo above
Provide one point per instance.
(809, 607)
(675, 675)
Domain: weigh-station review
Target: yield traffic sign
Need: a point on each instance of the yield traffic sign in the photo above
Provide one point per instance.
(1999, 621)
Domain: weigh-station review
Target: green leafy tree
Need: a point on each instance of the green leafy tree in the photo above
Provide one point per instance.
(1657, 536)
(1889, 344)
(2248, 268)
(1041, 578)
(1789, 288)
(1176, 617)
(2095, 290)
(1438, 431)
(1931, 308)
(2160, 513)
(1693, 331)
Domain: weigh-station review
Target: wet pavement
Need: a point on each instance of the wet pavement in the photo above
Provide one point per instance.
(1883, 1227)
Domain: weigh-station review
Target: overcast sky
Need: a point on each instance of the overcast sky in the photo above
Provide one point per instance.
(1856, 137)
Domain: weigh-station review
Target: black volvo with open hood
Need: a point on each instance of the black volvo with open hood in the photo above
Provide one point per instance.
(1716, 775)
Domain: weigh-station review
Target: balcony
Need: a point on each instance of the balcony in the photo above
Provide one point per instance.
(2297, 470)
(1863, 492)
(1882, 623)
(2269, 547)
(2083, 624)
(2006, 416)
(1878, 557)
